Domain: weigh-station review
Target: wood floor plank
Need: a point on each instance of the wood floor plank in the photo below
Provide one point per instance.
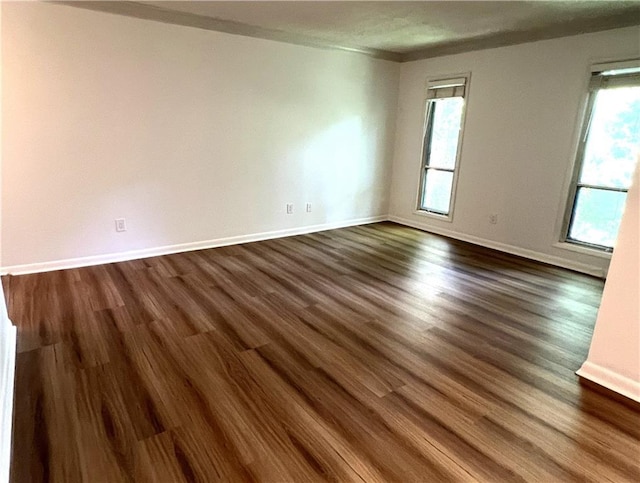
(370, 353)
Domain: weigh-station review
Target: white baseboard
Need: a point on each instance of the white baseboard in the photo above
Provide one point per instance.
(183, 247)
(503, 247)
(234, 240)
(611, 380)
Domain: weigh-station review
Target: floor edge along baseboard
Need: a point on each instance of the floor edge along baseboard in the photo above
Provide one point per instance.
(234, 240)
(504, 247)
(178, 248)
(611, 380)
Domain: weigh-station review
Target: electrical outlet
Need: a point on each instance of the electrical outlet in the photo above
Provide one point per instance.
(308, 207)
(289, 208)
(493, 218)
(121, 224)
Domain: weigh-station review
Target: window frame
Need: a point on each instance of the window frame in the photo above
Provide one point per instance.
(574, 182)
(425, 148)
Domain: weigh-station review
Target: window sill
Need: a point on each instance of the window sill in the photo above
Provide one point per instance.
(446, 218)
(594, 252)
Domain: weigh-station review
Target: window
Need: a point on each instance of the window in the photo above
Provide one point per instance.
(607, 155)
(444, 117)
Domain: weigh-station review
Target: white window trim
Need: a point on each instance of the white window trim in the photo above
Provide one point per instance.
(570, 188)
(436, 81)
(584, 249)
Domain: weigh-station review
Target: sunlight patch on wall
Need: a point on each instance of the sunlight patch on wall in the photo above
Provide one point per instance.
(337, 171)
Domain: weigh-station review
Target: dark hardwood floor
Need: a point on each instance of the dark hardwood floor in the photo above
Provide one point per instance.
(373, 353)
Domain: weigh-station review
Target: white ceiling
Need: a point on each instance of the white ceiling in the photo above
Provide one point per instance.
(394, 30)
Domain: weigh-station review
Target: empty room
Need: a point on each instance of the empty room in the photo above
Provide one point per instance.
(290, 241)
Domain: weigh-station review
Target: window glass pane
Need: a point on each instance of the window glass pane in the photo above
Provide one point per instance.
(597, 216)
(447, 115)
(614, 138)
(437, 191)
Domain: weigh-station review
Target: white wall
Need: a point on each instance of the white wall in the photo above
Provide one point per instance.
(189, 134)
(519, 141)
(194, 135)
(614, 355)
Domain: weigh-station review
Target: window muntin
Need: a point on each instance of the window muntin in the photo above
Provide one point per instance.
(606, 159)
(441, 144)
